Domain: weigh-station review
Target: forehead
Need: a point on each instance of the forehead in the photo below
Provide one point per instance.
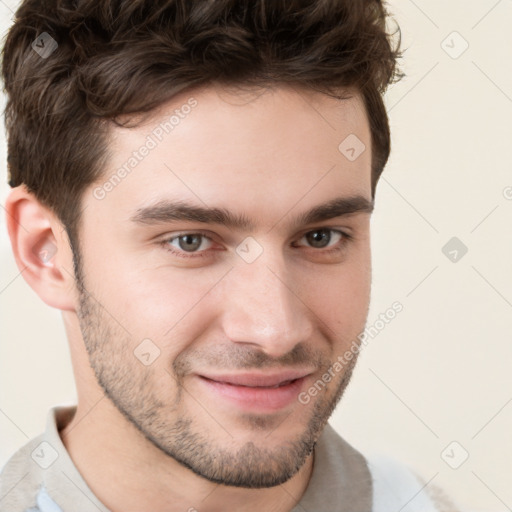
(259, 147)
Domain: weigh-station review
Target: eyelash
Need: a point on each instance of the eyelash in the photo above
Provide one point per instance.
(346, 238)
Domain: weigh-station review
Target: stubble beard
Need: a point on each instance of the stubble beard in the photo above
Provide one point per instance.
(130, 387)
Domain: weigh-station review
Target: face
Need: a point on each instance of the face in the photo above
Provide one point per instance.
(226, 271)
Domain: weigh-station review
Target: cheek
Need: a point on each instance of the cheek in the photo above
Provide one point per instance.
(168, 305)
(341, 297)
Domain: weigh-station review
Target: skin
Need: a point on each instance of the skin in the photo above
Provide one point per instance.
(157, 430)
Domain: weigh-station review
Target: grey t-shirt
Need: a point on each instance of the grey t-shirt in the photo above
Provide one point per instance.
(41, 477)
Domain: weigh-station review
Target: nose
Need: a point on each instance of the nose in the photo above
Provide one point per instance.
(262, 307)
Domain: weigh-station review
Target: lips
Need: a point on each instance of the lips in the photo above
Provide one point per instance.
(256, 392)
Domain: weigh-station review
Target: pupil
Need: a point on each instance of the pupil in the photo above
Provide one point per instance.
(323, 237)
(187, 239)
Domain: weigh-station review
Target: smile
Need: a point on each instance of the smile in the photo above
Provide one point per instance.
(256, 392)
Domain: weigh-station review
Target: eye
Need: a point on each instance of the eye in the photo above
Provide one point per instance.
(322, 238)
(187, 243)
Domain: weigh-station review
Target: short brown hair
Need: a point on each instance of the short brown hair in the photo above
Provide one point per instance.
(119, 57)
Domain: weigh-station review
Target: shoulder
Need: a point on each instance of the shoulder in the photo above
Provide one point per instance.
(41, 476)
(20, 478)
(395, 485)
(347, 480)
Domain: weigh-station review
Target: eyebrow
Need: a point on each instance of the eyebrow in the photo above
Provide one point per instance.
(166, 211)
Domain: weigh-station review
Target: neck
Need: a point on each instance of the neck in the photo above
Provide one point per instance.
(127, 472)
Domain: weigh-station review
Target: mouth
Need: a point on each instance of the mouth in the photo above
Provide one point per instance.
(257, 392)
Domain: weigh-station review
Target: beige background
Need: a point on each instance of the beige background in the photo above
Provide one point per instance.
(440, 371)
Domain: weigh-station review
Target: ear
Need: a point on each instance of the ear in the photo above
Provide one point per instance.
(41, 248)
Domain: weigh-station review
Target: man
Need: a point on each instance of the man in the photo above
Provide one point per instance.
(192, 188)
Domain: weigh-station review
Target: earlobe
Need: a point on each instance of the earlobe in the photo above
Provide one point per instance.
(41, 248)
